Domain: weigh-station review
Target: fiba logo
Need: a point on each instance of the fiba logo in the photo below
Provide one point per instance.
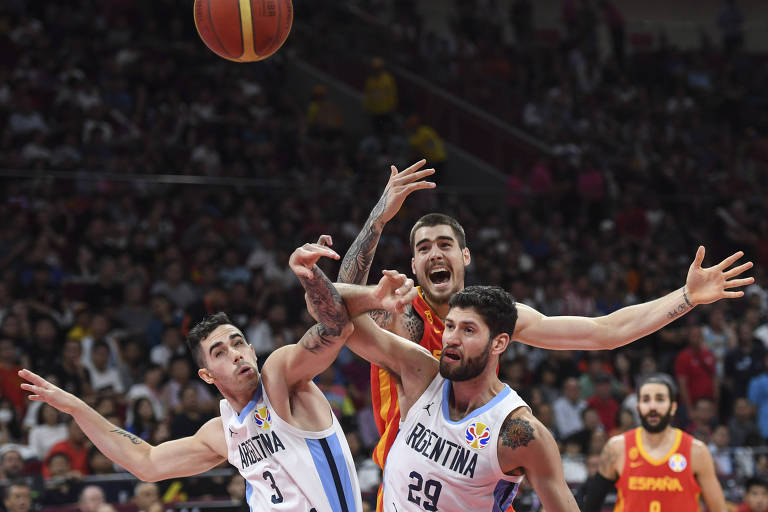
(262, 417)
(477, 435)
(677, 463)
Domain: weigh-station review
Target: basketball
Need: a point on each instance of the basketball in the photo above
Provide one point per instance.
(243, 30)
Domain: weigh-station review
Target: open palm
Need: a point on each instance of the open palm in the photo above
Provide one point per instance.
(707, 285)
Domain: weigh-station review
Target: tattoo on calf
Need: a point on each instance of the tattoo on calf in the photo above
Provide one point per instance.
(516, 432)
(413, 323)
(132, 438)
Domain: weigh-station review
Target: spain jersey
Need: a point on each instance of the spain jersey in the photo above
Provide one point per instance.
(438, 464)
(657, 485)
(286, 468)
(386, 408)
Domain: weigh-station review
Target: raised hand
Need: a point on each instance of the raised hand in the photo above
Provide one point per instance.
(706, 285)
(395, 291)
(304, 258)
(43, 391)
(400, 186)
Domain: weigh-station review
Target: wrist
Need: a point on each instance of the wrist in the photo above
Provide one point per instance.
(686, 298)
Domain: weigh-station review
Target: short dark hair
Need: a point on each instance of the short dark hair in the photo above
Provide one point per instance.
(439, 219)
(201, 331)
(20, 483)
(756, 481)
(495, 305)
(660, 378)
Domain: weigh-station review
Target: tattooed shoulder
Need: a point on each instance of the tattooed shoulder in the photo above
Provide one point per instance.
(413, 323)
(516, 432)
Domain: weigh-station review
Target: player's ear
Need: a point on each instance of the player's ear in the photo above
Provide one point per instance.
(673, 409)
(466, 255)
(204, 374)
(413, 266)
(499, 343)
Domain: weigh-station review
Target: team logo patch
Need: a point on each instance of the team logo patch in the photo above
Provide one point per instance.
(677, 462)
(633, 452)
(262, 417)
(477, 435)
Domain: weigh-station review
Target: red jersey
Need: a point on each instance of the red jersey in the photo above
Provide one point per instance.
(386, 408)
(657, 485)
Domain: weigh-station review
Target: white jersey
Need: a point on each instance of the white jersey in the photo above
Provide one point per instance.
(437, 464)
(286, 468)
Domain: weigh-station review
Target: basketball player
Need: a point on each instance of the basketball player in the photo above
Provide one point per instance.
(276, 427)
(466, 439)
(656, 467)
(440, 253)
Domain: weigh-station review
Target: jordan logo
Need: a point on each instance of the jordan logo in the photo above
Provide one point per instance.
(426, 408)
(231, 432)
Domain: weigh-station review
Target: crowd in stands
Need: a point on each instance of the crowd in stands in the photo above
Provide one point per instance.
(106, 261)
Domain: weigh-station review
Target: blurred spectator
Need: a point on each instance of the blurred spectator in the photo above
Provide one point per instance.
(568, 409)
(758, 395)
(172, 346)
(743, 362)
(98, 463)
(425, 142)
(181, 375)
(133, 315)
(145, 494)
(719, 447)
(702, 416)
(10, 381)
(91, 497)
(152, 389)
(742, 429)
(236, 492)
(72, 375)
(48, 431)
(189, 418)
(695, 371)
(75, 451)
(62, 483)
(173, 285)
(730, 21)
(104, 378)
(143, 419)
(380, 97)
(755, 496)
(591, 420)
(17, 497)
(603, 402)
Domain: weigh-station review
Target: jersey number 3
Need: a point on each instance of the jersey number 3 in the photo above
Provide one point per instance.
(431, 489)
(277, 497)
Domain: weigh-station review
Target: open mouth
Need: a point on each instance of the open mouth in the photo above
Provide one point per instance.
(451, 354)
(245, 369)
(440, 275)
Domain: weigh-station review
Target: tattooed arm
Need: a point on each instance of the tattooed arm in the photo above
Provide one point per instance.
(703, 286)
(527, 447)
(357, 261)
(178, 458)
(603, 482)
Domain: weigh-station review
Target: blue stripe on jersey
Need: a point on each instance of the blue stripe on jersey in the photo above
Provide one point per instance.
(477, 412)
(332, 469)
(248, 494)
(250, 405)
(503, 495)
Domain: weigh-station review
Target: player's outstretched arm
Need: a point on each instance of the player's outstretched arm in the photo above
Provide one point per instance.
(527, 445)
(357, 262)
(702, 286)
(704, 470)
(178, 458)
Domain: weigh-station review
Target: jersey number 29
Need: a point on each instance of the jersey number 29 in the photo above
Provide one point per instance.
(431, 490)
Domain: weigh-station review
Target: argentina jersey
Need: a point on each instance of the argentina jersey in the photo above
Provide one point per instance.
(286, 468)
(437, 464)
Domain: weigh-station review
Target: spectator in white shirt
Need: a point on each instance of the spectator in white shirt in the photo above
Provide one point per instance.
(568, 409)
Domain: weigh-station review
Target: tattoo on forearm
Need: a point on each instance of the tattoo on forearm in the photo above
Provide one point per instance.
(516, 432)
(132, 438)
(357, 262)
(326, 302)
(382, 317)
(413, 323)
(679, 309)
(316, 338)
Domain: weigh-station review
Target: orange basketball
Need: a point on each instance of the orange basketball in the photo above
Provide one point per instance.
(243, 30)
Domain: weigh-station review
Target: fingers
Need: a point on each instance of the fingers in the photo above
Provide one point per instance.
(735, 283)
(31, 377)
(730, 260)
(405, 180)
(738, 270)
(325, 240)
(732, 295)
(699, 257)
(414, 167)
(405, 288)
